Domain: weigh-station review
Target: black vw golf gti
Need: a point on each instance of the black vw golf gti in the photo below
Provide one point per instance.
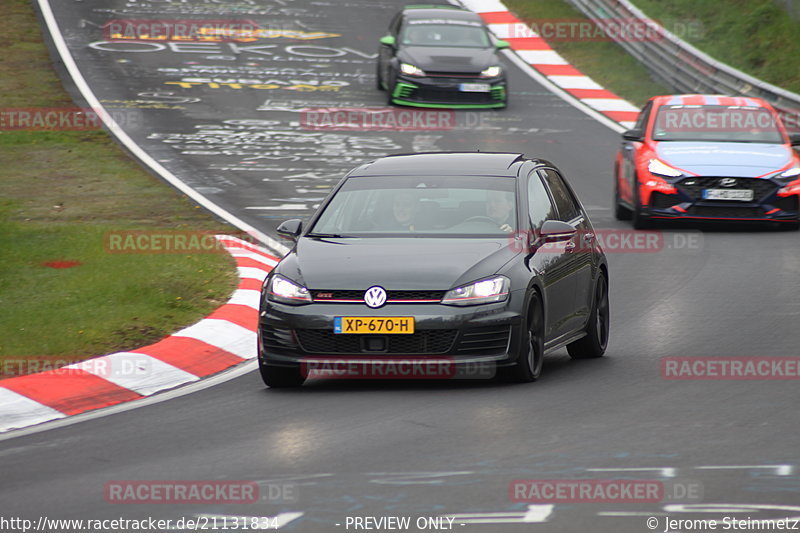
(441, 259)
(441, 56)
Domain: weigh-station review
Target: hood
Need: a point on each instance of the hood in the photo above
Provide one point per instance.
(446, 59)
(394, 263)
(737, 160)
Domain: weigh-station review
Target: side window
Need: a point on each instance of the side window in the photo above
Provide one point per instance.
(540, 207)
(565, 203)
(641, 122)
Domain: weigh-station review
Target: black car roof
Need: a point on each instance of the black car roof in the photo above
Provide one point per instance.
(443, 163)
(440, 12)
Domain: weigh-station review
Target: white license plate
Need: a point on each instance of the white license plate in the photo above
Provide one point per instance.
(474, 87)
(742, 195)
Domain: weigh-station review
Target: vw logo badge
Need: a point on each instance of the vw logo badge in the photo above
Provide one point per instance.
(375, 297)
(727, 182)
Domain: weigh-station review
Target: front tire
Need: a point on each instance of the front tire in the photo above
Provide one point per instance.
(640, 220)
(531, 360)
(620, 211)
(280, 377)
(379, 83)
(596, 340)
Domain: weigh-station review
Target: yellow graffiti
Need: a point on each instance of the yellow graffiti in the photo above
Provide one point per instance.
(302, 87)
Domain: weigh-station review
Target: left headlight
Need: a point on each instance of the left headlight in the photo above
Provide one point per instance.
(788, 175)
(284, 290)
(411, 70)
(484, 291)
(491, 72)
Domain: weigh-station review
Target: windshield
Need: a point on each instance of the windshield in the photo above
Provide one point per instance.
(406, 206)
(716, 123)
(458, 34)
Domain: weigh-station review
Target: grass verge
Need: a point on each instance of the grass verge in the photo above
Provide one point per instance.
(605, 62)
(755, 36)
(63, 193)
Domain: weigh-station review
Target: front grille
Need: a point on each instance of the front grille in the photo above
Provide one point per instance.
(322, 341)
(450, 96)
(786, 203)
(693, 187)
(659, 200)
(725, 211)
(486, 340)
(320, 296)
(471, 75)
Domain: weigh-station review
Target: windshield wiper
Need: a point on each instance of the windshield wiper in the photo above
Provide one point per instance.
(328, 236)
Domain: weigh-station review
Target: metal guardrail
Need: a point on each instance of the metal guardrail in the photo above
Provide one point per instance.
(683, 67)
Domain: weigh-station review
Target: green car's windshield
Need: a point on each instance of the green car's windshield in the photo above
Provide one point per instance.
(450, 34)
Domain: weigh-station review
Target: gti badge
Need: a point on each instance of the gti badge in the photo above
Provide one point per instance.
(727, 182)
(375, 297)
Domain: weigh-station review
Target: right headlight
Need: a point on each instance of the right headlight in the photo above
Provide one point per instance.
(484, 291)
(411, 70)
(284, 290)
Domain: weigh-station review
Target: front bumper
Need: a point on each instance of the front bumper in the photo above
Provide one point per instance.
(446, 92)
(291, 335)
(686, 202)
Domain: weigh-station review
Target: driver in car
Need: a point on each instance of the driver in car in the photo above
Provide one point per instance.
(500, 208)
(405, 207)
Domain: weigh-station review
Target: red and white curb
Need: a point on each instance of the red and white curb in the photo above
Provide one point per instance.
(535, 51)
(223, 339)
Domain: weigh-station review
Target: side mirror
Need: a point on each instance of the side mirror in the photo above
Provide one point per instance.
(290, 229)
(633, 135)
(388, 40)
(794, 139)
(556, 231)
(502, 45)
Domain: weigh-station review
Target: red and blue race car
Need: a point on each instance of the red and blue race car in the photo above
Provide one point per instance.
(707, 157)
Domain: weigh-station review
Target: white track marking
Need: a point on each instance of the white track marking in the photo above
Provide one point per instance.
(20, 411)
(248, 297)
(516, 30)
(665, 471)
(254, 256)
(575, 82)
(535, 514)
(252, 273)
(130, 144)
(222, 377)
(541, 57)
(780, 470)
(138, 372)
(223, 334)
(610, 104)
